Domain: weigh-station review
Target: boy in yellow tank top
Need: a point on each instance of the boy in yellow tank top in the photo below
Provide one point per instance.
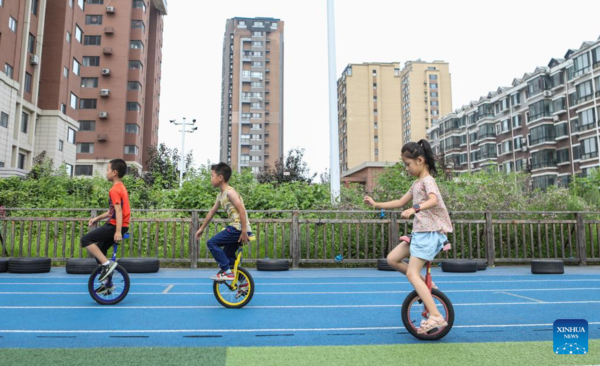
(225, 244)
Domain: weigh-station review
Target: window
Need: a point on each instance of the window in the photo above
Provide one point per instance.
(134, 106)
(433, 77)
(89, 82)
(485, 131)
(434, 94)
(73, 101)
(562, 156)
(139, 4)
(259, 24)
(85, 148)
(581, 65)
(257, 44)
(589, 149)
(517, 121)
(12, 24)
(21, 163)
(433, 86)
(68, 37)
(255, 158)
(544, 182)
(31, 44)
(87, 126)
(557, 79)
(131, 150)
(596, 56)
(81, 4)
(92, 40)
(561, 130)
(256, 137)
(87, 103)
(375, 98)
(63, 108)
(71, 3)
(540, 109)
(24, 122)
(584, 92)
(257, 64)
(376, 151)
(61, 145)
(257, 34)
(3, 120)
(256, 116)
(541, 134)
(95, 2)
(76, 67)
(256, 105)
(69, 169)
(132, 128)
(505, 125)
(559, 104)
(134, 85)
(517, 143)
(91, 61)
(28, 82)
(138, 24)
(587, 120)
(34, 6)
(396, 72)
(8, 70)
(93, 19)
(135, 65)
(78, 34)
(537, 85)
(66, 72)
(136, 45)
(543, 159)
(515, 99)
(84, 170)
(488, 151)
(71, 135)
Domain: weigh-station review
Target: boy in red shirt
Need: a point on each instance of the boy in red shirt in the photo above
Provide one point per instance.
(98, 241)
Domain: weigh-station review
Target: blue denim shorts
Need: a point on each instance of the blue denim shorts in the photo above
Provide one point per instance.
(427, 245)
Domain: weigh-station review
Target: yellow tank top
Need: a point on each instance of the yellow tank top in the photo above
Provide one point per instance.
(232, 212)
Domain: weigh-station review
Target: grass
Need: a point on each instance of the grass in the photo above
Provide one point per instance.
(510, 353)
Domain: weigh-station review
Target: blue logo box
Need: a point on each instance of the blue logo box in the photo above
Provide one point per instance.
(571, 337)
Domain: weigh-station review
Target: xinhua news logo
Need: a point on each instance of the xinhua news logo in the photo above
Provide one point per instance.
(571, 337)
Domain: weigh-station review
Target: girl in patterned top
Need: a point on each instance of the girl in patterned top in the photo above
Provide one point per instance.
(430, 226)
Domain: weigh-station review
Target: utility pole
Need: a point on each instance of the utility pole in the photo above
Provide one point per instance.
(184, 129)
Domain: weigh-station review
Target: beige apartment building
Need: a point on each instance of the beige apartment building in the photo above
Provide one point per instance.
(381, 107)
(252, 93)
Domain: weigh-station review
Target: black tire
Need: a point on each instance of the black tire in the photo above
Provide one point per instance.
(3, 265)
(382, 265)
(91, 286)
(140, 265)
(248, 298)
(272, 265)
(412, 330)
(81, 265)
(29, 265)
(459, 265)
(481, 264)
(547, 267)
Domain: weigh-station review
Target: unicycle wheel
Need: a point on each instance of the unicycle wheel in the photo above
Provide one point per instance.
(111, 291)
(238, 296)
(414, 311)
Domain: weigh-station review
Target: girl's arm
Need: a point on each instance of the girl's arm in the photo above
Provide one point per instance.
(432, 201)
(389, 205)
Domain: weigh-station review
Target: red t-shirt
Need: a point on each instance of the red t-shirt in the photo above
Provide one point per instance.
(118, 196)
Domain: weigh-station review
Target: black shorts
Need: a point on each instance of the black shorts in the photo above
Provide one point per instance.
(104, 237)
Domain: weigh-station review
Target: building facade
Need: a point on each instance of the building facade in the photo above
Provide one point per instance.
(252, 93)
(545, 123)
(90, 90)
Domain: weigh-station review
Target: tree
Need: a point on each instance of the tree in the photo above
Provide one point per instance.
(292, 169)
(42, 167)
(163, 166)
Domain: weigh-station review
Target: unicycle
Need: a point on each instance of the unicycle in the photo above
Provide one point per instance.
(237, 293)
(114, 289)
(414, 312)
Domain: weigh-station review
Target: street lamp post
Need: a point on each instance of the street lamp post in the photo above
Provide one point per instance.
(334, 151)
(184, 129)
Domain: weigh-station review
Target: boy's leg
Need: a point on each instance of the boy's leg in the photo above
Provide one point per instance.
(101, 235)
(222, 239)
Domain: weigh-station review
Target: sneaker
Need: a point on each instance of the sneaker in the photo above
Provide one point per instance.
(242, 289)
(223, 276)
(103, 290)
(107, 271)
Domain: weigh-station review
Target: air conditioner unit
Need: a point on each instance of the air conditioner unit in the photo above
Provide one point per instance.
(524, 148)
(105, 72)
(110, 9)
(556, 119)
(472, 165)
(105, 92)
(547, 93)
(103, 115)
(35, 60)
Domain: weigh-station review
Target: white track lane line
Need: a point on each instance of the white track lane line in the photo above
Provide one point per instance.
(522, 297)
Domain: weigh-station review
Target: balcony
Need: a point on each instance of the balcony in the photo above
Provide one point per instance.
(584, 99)
(482, 117)
(588, 156)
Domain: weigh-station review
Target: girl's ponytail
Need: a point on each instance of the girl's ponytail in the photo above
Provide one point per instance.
(429, 157)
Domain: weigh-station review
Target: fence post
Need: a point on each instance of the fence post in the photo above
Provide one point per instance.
(580, 239)
(489, 239)
(295, 240)
(193, 241)
(394, 236)
(94, 213)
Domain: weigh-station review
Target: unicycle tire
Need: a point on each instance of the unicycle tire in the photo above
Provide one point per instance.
(92, 283)
(431, 335)
(230, 304)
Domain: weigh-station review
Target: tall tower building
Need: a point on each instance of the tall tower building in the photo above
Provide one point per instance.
(252, 93)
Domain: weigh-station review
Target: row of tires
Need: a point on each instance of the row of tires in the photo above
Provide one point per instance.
(152, 265)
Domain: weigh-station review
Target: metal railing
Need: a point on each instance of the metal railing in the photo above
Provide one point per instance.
(309, 237)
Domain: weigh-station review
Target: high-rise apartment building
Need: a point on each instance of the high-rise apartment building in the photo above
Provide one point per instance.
(90, 90)
(252, 93)
(545, 123)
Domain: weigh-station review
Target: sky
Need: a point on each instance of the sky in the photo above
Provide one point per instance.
(487, 45)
